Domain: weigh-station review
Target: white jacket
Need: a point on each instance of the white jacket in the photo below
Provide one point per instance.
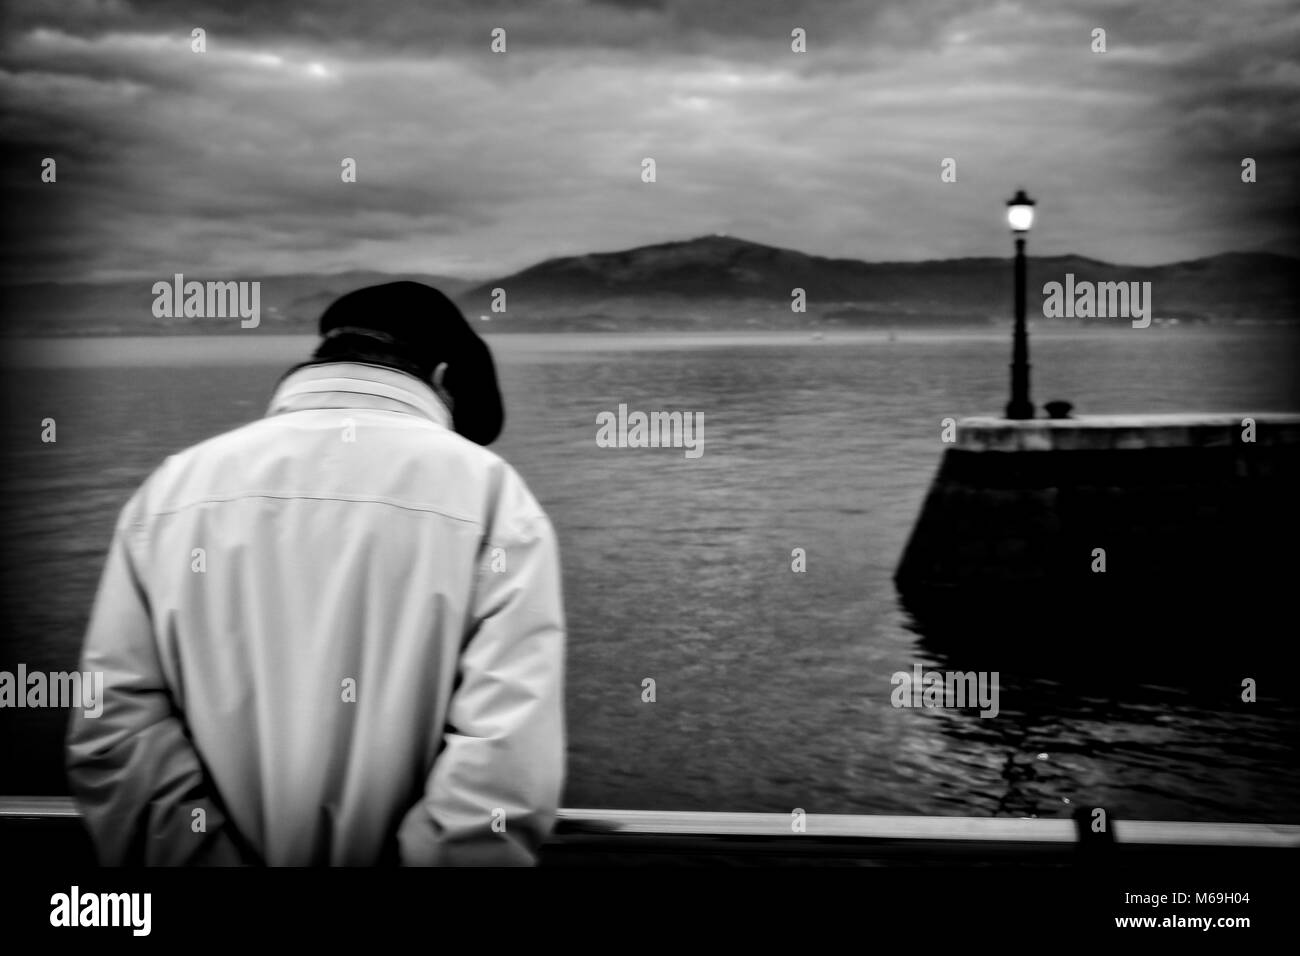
(338, 633)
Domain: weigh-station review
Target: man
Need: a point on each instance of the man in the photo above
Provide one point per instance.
(334, 635)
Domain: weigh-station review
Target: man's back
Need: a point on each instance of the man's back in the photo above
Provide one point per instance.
(328, 590)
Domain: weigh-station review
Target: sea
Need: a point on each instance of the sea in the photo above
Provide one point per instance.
(772, 687)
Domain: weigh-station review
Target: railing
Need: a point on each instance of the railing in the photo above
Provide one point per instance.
(940, 829)
(610, 836)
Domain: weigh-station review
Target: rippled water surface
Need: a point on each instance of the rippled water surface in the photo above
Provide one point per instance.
(773, 688)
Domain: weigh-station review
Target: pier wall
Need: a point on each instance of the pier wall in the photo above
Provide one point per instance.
(1191, 516)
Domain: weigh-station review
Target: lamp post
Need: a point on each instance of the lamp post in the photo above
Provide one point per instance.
(1020, 216)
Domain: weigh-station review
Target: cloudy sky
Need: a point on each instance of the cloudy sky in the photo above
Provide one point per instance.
(227, 163)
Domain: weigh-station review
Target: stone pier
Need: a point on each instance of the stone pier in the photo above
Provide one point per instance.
(1039, 523)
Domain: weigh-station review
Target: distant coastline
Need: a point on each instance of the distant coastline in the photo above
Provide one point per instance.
(712, 283)
(257, 347)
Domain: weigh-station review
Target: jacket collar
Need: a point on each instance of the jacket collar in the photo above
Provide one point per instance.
(357, 385)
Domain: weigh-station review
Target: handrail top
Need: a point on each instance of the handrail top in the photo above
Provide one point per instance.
(836, 826)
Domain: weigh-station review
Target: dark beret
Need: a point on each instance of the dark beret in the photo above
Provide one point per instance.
(425, 328)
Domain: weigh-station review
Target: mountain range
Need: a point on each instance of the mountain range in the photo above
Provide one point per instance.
(708, 283)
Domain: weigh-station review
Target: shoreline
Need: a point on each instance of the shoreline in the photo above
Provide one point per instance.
(81, 351)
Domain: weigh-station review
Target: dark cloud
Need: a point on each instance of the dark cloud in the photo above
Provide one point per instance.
(473, 162)
(455, 24)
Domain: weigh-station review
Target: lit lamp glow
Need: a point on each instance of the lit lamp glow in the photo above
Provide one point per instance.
(1020, 212)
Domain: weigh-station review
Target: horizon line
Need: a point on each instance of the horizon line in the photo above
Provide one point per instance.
(128, 277)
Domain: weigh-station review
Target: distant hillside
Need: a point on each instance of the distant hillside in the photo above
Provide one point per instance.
(718, 281)
(289, 303)
(713, 282)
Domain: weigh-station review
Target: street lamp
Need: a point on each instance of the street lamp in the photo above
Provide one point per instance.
(1020, 216)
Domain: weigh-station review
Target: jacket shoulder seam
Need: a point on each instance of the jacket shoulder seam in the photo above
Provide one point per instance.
(297, 496)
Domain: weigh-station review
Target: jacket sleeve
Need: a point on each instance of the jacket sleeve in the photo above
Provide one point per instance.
(132, 767)
(492, 795)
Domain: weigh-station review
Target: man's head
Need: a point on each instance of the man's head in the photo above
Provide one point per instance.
(416, 329)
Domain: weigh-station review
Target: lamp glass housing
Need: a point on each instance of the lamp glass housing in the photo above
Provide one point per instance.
(1020, 216)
